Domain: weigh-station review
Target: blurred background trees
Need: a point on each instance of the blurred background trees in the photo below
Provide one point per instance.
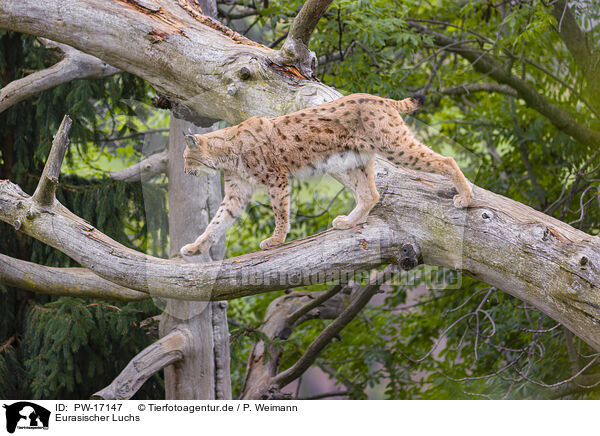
(512, 94)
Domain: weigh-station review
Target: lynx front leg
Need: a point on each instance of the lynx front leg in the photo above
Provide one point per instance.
(361, 181)
(237, 195)
(279, 193)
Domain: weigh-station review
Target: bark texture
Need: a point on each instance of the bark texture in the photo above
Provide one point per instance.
(162, 353)
(532, 256)
(192, 202)
(181, 52)
(73, 65)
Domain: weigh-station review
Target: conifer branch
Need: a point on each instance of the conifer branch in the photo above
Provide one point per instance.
(148, 362)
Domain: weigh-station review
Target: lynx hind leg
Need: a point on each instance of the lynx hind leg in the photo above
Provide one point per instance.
(361, 182)
(279, 193)
(237, 195)
(448, 167)
(421, 158)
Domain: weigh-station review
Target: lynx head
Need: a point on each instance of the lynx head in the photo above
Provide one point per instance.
(196, 156)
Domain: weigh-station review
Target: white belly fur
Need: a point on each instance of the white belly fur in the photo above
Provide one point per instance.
(337, 163)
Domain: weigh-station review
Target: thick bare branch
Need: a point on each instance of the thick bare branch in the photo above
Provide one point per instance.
(583, 49)
(44, 194)
(532, 256)
(74, 65)
(182, 53)
(67, 282)
(295, 48)
(143, 170)
(152, 359)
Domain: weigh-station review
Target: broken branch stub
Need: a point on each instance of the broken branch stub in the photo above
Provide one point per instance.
(44, 194)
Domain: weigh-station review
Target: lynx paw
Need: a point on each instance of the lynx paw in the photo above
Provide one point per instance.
(461, 202)
(271, 242)
(192, 249)
(342, 222)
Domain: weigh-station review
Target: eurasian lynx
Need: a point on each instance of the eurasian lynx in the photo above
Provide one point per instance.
(340, 138)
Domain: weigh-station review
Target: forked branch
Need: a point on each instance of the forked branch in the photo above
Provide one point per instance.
(506, 244)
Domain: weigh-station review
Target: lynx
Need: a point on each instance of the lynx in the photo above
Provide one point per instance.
(341, 138)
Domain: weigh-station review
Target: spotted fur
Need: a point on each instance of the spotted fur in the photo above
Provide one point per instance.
(340, 138)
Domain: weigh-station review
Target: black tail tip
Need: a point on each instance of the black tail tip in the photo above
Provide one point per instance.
(419, 98)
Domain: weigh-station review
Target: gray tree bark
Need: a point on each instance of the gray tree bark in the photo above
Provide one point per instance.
(203, 372)
(192, 202)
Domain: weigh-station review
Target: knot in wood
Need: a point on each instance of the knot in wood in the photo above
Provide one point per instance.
(487, 216)
(244, 73)
(408, 257)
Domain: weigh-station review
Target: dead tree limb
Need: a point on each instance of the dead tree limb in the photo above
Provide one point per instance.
(263, 362)
(73, 65)
(188, 56)
(66, 282)
(506, 244)
(144, 170)
(148, 362)
(295, 48)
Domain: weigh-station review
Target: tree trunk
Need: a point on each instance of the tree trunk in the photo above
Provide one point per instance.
(192, 202)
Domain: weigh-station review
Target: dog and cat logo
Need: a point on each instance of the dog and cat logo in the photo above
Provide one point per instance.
(26, 415)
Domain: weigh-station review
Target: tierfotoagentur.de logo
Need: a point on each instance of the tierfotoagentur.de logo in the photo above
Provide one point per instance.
(26, 415)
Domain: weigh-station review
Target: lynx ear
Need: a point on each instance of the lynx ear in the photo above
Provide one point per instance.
(191, 142)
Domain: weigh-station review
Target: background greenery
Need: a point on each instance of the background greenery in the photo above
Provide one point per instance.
(465, 341)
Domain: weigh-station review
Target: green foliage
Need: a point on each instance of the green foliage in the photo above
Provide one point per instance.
(69, 341)
(59, 347)
(490, 344)
(461, 341)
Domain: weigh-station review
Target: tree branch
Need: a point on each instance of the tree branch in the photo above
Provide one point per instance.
(295, 47)
(479, 87)
(144, 170)
(532, 256)
(183, 54)
(67, 282)
(486, 64)
(44, 194)
(360, 300)
(74, 65)
(580, 46)
(149, 361)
